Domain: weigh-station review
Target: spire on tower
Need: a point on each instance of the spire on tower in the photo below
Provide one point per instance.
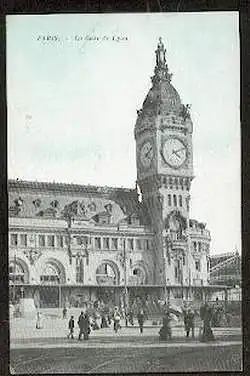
(161, 68)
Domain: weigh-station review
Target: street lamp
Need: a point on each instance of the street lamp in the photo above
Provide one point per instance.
(14, 280)
(124, 263)
(59, 290)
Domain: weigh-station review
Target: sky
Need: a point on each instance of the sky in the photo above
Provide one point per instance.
(74, 83)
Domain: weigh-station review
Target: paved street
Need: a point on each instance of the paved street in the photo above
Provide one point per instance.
(49, 351)
(140, 359)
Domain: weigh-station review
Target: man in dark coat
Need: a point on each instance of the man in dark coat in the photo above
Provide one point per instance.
(141, 319)
(84, 326)
(71, 328)
(206, 314)
(189, 316)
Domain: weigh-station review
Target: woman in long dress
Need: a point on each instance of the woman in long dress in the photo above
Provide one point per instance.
(38, 321)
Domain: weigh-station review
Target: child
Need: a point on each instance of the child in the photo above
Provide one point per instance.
(71, 327)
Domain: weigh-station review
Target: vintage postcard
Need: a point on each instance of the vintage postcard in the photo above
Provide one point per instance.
(124, 193)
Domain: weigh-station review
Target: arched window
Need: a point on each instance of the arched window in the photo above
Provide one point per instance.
(180, 201)
(50, 274)
(16, 273)
(175, 200)
(138, 276)
(106, 274)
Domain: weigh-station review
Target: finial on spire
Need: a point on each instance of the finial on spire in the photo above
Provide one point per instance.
(160, 54)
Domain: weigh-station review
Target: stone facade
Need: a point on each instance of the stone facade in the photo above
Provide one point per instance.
(69, 242)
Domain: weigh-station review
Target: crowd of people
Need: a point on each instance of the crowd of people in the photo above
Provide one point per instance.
(87, 321)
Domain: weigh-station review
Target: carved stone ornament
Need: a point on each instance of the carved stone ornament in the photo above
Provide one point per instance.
(33, 255)
(47, 213)
(54, 204)
(92, 207)
(37, 203)
(17, 207)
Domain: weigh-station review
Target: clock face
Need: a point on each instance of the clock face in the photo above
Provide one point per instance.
(146, 154)
(174, 152)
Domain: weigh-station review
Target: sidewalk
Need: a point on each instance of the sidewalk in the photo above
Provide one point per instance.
(23, 334)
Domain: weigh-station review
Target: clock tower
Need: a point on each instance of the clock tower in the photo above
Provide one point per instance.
(163, 134)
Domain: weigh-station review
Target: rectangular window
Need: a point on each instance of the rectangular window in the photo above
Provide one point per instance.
(51, 241)
(147, 244)
(131, 244)
(13, 239)
(98, 243)
(176, 272)
(106, 243)
(23, 240)
(114, 243)
(60, 241)
(169, 200)
(41, 240)
(184, 260)
(175, 200)
(180, 201)
(198, 266)
(138, 244)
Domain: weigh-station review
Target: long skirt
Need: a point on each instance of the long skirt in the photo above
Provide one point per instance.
(207, 334)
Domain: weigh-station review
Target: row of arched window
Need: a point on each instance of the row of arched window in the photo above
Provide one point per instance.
(176, 200)
(171, 183)
(197, 246)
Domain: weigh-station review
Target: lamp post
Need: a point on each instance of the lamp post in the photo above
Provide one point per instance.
(14, 280)
(124, 262)
(59, 290)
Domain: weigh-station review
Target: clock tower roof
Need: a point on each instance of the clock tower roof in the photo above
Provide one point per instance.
(162, 98)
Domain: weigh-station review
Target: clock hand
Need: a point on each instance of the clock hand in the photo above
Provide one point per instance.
(148, 152)
(183, 148)
(176, 153)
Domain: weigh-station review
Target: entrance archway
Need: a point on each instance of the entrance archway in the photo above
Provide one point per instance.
(18, 276)
(52, 277)
(139, 275)
(107, 274)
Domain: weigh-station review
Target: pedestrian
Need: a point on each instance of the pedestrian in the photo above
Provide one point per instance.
(189, 316)
(166, 331)
(104, 323)
(116, 318)
(38, 321)
(131, 316)
(206, 314)
(109, 317)
(141, 319)
(64, 313)
(84, 326)
(71, 327)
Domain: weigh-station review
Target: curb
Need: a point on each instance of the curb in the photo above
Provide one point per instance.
(90, 345)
